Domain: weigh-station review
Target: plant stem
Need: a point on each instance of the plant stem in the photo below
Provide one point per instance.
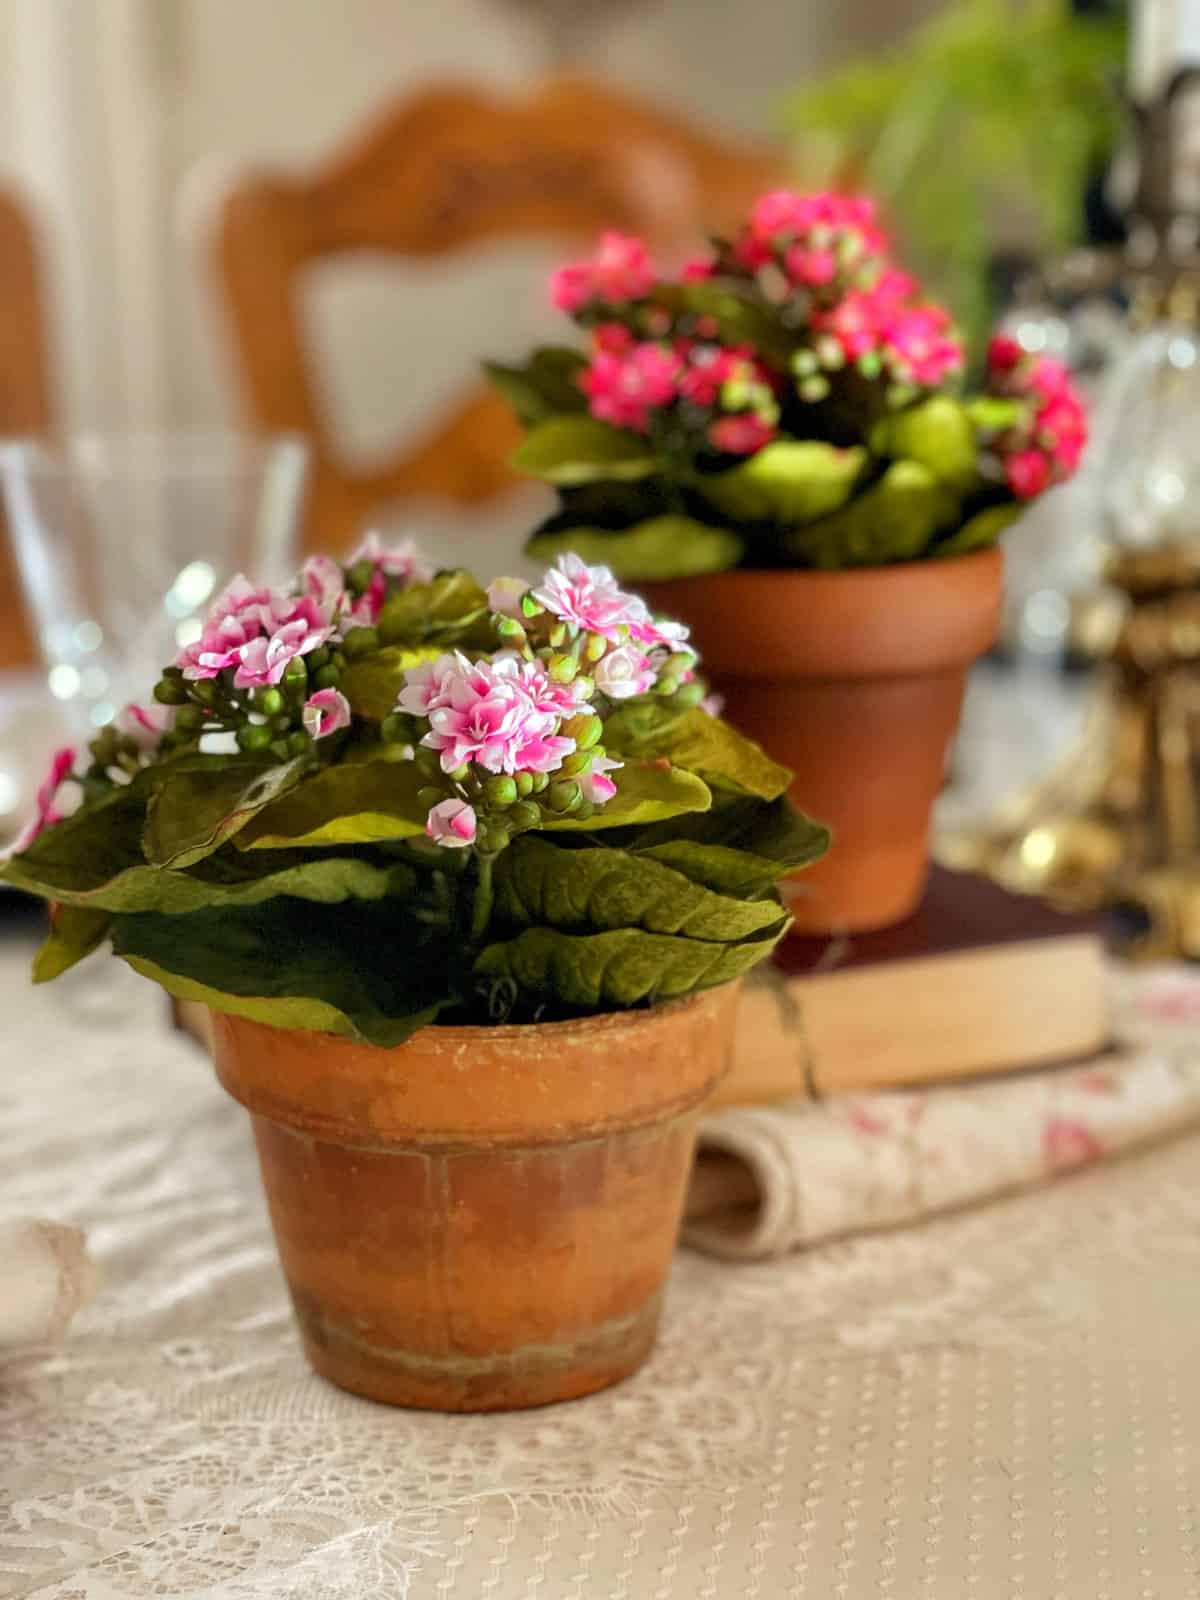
(481, 905)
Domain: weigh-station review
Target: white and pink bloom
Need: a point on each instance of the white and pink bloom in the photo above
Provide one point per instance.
(47, 813)
(595, 783)
(624, 672)
(495, 714)
(588, 598)
(451, 823)
(504, 597)
(403, 561)
(326, 712)
(265, 659)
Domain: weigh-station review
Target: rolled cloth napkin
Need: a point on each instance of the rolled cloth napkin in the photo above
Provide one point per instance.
(45, 1278)
(774, 1178)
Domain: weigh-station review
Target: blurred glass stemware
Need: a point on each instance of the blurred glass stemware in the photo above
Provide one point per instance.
(123, 541)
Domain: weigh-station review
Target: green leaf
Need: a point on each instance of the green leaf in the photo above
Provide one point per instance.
(894, 520)
(773, 832)
(670, 546)
(353, 969)
(359, 803)
(979, 531)
(538, 883)
(739, 872)
(740, 314)
(938, 434)
(372, 683)
(621, 967)
(74, 934)
(791, 481)
(991, 414)
(546, 386)
(567, 450)
(449, 610)
(87, 850)
(700, 743)
(228, 878)
(647, 791)
(202, 804)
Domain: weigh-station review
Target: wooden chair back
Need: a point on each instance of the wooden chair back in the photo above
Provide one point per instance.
(24, 393)
(451, 168)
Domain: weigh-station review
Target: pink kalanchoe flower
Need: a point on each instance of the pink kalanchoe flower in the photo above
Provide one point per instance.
(321, 580)
(504, 597)
(625, 389)
(621, 270)
(239, 614)
(660, 631)
(265, 659)
(326, 712)
(425, 686)
(547, 697)
(588, 598)
(1003, 352)
(698, 269)
(403, 560)
(1028, 473)
(485, 715)
(595, 784)
(451, 823)
(624, 672)
(47, 812)
(741, 435)
(613, 337)
(713, 704)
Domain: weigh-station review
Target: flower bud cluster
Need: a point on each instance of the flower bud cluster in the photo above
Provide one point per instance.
(514, 740)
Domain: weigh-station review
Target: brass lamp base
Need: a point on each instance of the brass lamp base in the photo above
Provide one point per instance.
(1118, 823)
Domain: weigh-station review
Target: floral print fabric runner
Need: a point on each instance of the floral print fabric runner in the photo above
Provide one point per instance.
(772, 1179)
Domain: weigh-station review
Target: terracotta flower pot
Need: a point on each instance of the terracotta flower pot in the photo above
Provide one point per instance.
(483, 1218)
(854, 680)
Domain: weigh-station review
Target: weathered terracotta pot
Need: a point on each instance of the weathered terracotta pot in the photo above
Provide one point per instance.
(854, 680)
(483, 1218)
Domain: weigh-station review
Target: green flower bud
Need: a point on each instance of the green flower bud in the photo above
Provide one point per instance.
(524, 815)
(585, 729)
(190, 719)
(430, 797)
(596, 647)
(297, 670)
(690, 694)
(585, 687)
(578, 762)
(298, 742)
(530, 607)
(564, 796)
(804, 363)
(328, 677)
(318, 658)
(255, 736)
(563, 669)
(269, 701)
(584, 810)
(205, 691)
(501, 792)
(395, 729)
(541, 782)
(813, 389)
(281, 725)
(359, 576)
(558, 635)
(524, 783)
(428, 764)
(460, 774)
(170, 692)
(360, 642)
(492, 836)
(173, 672)
(279, 749)
(510, 632)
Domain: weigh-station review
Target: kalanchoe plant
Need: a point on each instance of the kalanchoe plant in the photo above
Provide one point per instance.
(389, 797)
(791, 399)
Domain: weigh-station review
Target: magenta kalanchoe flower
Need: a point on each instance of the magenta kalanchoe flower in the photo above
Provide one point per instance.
(401, 560)
(323, 582)
(145, 725)
(326, 712)
(451, 823)
(47, 813)
(621, 270)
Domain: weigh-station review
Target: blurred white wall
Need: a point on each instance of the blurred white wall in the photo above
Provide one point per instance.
(124, 117)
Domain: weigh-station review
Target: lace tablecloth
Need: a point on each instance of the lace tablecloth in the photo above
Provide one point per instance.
(1000, 1405)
